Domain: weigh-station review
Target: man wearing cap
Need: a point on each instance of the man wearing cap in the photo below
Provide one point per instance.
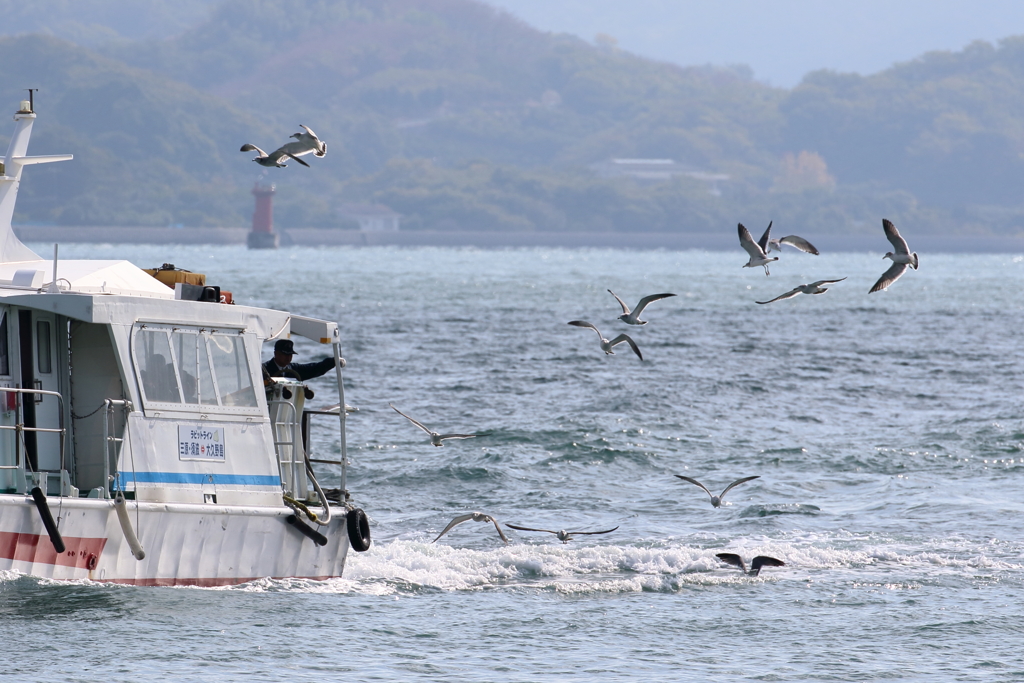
(281, 364)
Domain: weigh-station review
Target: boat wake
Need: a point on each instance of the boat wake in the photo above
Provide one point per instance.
(410, 567)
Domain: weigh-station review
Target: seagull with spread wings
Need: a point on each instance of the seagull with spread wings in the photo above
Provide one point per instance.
(275, 159)
(901, 257)
(716, 501)
(793, 241)
(633, 317)
(476, 517)
(813, 288)
(758, 256)
(606, 345)
(305, 143)
(562, 535)
(435, 438)
(755, 564)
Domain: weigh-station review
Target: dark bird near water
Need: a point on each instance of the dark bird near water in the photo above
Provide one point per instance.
(755, 564)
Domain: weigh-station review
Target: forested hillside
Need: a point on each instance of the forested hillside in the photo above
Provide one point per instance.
(462, 117)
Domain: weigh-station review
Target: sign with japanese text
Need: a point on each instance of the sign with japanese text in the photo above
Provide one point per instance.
(201, 443)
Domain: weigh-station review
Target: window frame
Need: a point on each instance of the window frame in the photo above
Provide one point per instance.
(201, 332)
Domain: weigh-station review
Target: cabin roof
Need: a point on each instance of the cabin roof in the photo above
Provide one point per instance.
(92, 277)
(117, 292)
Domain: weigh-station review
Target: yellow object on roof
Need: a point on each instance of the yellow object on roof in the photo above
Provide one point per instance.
(169, 275)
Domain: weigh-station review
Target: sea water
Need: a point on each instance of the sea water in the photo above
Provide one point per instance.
(887, 430)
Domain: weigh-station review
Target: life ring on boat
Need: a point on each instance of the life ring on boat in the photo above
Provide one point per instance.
(358, 530)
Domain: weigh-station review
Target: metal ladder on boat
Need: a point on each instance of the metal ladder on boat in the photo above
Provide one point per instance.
(288, 447)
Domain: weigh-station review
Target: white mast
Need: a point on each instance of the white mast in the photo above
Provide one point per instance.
(11, 248)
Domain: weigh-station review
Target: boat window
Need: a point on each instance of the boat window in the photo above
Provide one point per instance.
(156, 367)
(231, 366)
(194, 367)
(43, 346)
(5, 358)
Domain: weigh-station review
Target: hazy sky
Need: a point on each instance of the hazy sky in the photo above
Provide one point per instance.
(781, 40)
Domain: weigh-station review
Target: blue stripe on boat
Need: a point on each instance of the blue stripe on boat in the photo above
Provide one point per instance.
(195, 478)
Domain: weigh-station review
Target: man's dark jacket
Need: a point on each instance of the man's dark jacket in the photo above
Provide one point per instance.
(301, 371)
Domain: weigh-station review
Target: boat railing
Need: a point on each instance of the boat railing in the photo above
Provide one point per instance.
(289, 446)
(19, 427)
(339, 363)
(307, 419)
(111, 441)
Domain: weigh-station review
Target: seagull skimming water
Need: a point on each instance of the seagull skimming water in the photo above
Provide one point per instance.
(755, 564)
(563, 535)
(476, 517)
(435, 438)
(716, 501)
(901, 258)
(606, 345)
(813, 288)
(633, 318)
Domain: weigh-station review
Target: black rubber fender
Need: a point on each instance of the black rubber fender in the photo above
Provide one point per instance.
(39, 498)
(306, 530)
(358, 530)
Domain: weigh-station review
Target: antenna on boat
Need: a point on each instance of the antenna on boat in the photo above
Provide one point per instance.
(53, 288)
(32, 99)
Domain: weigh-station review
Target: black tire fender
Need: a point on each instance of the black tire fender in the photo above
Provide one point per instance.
(358, 530)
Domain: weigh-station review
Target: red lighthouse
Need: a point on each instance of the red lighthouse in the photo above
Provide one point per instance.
(263, 235)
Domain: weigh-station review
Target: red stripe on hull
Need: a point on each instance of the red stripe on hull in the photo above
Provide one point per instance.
(79, 552)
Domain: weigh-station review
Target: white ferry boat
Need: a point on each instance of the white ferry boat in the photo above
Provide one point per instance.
(140, 441)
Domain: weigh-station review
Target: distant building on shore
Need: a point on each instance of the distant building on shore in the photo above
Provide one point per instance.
(371, 217)
(656, 171)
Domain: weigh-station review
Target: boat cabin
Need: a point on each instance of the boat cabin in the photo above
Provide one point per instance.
(110, 392)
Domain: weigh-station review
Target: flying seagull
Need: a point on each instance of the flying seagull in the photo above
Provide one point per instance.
(275, 159)
(435, 438)
(793, 241)
(755, 564)
(716, 501)
(813, 288)
(634, 317)
(307, 142)
(901, 258)
(606, 345)
(476, 517)
(758, 257)
(563, 535)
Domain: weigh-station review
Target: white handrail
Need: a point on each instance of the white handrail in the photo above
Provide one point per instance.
(20, 427)
(108, 440)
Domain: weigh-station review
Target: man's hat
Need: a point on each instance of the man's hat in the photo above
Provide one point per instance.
(284, 346)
